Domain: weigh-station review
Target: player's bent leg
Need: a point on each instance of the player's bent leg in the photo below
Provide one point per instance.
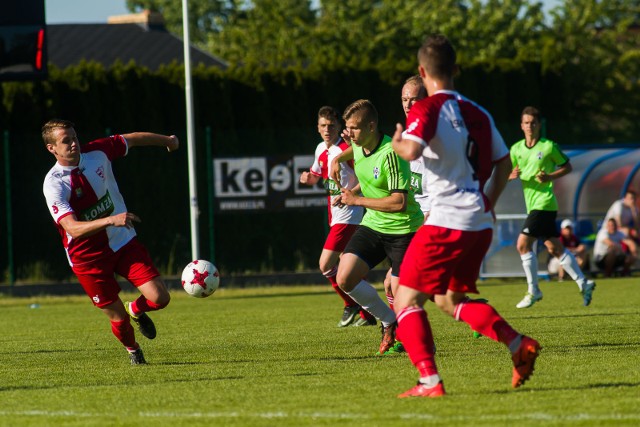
(329, 268)
(484, 318)
(123, 331)
(155, 293)
(352, 268)
(154, 297)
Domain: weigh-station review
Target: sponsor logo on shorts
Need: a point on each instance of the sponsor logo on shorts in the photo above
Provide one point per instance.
(96, 299)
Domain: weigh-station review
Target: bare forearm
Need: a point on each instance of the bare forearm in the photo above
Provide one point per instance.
(386, 204)
(562, 171)
(346, 155)
(79, 229)
(143, 139)
(498, 183)
(407, 149)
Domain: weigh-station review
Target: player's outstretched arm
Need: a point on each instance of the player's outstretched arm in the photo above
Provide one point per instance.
(405, 148)
(142, 139)
(78, 229)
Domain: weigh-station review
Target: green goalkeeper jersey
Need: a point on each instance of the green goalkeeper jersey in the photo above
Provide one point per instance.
(544, 156)
(380, 173)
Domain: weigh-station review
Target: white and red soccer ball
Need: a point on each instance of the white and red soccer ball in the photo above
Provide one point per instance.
(200, 278)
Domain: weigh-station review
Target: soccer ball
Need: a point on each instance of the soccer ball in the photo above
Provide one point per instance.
(200, 278)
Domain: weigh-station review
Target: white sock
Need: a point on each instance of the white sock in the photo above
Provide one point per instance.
(570, 265)
(368, 298)
(530, 265)
(430, 381)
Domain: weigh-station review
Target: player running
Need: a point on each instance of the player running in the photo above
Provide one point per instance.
(343, 219)
(97, 230)
(538, 162)
(391, 219)
(461, 148)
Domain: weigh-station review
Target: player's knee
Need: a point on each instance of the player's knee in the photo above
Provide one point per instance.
(344, 281)
(325, 265)
(446, 305)
(163, 299)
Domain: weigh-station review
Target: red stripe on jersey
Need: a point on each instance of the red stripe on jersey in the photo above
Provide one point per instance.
(479, 151)
(82, 197)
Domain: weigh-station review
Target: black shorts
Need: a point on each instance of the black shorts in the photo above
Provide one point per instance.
(373, 247)
(541, 225)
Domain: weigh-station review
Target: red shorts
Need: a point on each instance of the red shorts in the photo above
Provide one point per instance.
(440, 259)
(98, 280)
(339, 236)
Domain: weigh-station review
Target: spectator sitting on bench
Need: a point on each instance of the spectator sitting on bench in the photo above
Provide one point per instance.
(625, 212)
(613, 249)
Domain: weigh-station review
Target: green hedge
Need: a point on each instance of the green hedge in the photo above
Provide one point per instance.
(251, 113)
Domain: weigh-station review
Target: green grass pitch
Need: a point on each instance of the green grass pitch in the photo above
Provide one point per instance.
(274, 356)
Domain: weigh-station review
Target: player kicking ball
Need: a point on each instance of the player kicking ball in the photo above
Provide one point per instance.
(97, 230)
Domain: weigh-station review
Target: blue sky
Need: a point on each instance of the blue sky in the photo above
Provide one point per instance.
(97, 11)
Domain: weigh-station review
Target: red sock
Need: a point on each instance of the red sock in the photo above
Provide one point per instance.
(486, 320)
(143, 305)
(348, 301)
(124, 332)
(415, 333)
(364, 314)
(390, 300)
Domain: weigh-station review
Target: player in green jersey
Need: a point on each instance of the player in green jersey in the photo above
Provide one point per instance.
(391, 219)
(538, 162)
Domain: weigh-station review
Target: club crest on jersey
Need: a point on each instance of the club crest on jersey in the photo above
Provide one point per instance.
(376, 172)
(539, 155)
(100, 172)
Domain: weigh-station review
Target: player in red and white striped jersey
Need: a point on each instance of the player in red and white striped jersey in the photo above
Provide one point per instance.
(461, 148)
(343, 220)
(97, 230)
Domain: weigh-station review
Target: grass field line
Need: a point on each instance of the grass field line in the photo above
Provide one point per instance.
(533, 416)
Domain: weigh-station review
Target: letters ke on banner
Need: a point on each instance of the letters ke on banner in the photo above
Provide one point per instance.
(265, 184)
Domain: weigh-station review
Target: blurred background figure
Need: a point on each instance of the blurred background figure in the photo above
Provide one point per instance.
(625, 212)
(573, 244)
(612, 250)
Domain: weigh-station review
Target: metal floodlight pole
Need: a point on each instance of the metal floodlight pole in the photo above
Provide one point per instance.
(191, 148)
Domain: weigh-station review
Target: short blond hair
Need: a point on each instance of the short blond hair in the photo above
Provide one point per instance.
(416, 81)
(364, 109)
(50, 126)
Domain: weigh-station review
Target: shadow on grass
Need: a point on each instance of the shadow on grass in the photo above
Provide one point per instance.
(43, 351)
(279, 295)
(533, 389)
(182, 363)
(569, 316)
(608, 344)
(100, 384)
